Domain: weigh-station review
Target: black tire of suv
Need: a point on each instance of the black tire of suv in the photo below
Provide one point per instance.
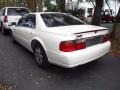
(12, 37)
(40, 56)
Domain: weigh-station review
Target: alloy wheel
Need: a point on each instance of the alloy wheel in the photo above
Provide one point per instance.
(38, 55)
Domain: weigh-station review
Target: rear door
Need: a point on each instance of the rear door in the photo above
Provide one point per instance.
(27, 30)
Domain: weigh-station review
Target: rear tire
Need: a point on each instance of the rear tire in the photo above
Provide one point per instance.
(40, 56)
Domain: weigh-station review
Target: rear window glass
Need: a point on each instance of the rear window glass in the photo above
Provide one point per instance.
(57, 19)
(17, 11)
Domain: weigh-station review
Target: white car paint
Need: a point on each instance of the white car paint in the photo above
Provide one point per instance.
(50, 38)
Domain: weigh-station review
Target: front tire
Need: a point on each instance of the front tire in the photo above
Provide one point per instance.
(40, 56)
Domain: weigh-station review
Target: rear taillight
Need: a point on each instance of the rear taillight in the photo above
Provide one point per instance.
(67, 46)
(73, 45)
(80, 44)
(106, 38)
(5, 19)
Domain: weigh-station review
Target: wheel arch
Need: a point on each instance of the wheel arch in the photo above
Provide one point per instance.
(37, 41)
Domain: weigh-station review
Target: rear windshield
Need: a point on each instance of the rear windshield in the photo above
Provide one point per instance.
(56, 19)
(17, 11)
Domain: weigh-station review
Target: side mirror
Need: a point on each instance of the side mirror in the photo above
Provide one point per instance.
(13, 23)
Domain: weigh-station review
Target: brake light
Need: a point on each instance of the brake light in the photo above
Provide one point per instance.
(67, 46)
(106, 38)
(73, 45)
(5, 19)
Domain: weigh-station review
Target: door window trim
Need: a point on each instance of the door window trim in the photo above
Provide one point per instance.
(24, 19)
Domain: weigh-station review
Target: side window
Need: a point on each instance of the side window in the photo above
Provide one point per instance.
(3, 12)
(30, 21)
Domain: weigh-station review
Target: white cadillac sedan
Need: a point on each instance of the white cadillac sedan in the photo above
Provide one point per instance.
(60, 39)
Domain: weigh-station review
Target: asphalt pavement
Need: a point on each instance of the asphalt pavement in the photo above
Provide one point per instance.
(19, 70)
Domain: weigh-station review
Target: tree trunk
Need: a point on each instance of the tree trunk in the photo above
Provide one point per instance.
(30, 4)
(35, 5)
(61, 5)
(40, 5)
(115, 34)
(97, 12)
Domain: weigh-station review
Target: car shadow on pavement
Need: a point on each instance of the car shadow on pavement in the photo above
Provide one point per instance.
(82, 69)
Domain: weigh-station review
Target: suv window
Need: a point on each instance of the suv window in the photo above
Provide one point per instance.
(17, 11)
(3, 12)
(29, 21)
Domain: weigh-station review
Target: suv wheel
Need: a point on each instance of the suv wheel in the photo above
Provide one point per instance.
(40, 56)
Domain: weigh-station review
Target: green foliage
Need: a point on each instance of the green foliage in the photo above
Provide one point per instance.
(4, 3)
(61, 5)
(47, 4)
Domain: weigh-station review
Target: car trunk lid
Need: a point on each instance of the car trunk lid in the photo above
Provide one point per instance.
(84, 30)
(91, 34)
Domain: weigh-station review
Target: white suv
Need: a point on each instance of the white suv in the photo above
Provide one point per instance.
(9, 15)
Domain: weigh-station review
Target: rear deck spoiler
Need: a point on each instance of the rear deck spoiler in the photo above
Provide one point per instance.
(91, 31)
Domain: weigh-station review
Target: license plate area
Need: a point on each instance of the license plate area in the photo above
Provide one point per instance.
(94, 40)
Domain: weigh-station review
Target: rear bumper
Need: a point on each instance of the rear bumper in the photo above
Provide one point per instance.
(6, 26)
(73, 59)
